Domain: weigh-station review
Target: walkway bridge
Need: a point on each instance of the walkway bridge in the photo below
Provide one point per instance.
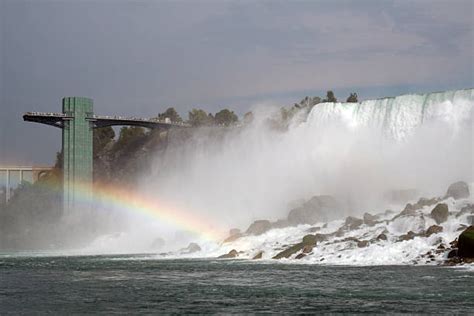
(77, 122)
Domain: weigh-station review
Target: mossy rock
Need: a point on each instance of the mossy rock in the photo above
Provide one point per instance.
(466, 243)
(290, 251)
(309, 240)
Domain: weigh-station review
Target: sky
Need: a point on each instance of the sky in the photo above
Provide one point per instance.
(136, 58)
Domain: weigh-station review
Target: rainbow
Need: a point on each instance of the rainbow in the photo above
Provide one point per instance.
(121, 198)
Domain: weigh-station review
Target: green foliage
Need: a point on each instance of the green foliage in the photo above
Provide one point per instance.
(330, 97)
(171, 114)
(129, 136)
(225, 117)
(352, 98)
(102, 137)
(198, 117)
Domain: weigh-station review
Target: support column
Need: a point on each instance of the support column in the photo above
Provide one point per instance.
(77, 152)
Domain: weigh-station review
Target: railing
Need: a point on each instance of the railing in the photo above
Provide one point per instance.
(50, 114)
(138, 119)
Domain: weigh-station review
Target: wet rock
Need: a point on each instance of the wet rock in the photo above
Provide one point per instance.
(307, 249)
(309, 240)
(259, 255)
(461, 227)
(318, 209)
(440, 213)
(234, 234)
(363, 243)
(452, 253)
(259, 227)
(313, 229)
(281, 223)
(352, 223)
(191, 248)
(466, 243)
(468, 209)
(434, 229)
(408, 236)
(289, 251)
(410, 209)
(382, 236)
(300, 256)
(231, 254)
(458, 190)
(321, 237)
(369, 219)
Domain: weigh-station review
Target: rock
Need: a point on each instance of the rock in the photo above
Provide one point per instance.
(290, 251)
(300, 256)
(468, 209)
(318, 209)
(353, 223)
(259, 255)
(466, 243)
(369, 219)
(452, 253)
(470, 220)
(234, 231)
(461, 228)
(313, 229)
(307, 249)
(281, 223)
(321, 237)
(363, 243)
(234, 234)
(231, 254)
(410, 209)
(309, 240)
(191, 248)
(408, 236)
(440, 213)
(259, 227)
(434, 229)
(458, 190)
(382, 236)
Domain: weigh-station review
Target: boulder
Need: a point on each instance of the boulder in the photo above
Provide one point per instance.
(434, 229)
(369, 219)
(289, 251)
(362, 243)
(231, 254)
(234, 234)
(352, 223)
(309, 240)
(382, 236)
(440, 213)
(468, 209)
(259, 255)
(281, 223)
(408, 236)
(191, 248)
(300, 256)
(318, 209)
(259, 227)
(466, 243)
(458, 190)
(307, 249)
(452, 253)
(410, 209)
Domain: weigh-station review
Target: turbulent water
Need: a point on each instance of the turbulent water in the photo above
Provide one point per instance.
(122, 284)
(358, 153)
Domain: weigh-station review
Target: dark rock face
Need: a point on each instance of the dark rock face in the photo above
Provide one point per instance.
(458, 190)
(434, 229)
(369, 219)
(290, 251)
(466, 243)
(191, 248)
(318, 209)
(259, 255)
(259, 227)
(353, 223)
(440, 213)
(231, 254)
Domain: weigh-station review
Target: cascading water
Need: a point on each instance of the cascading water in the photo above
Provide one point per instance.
(356, 152)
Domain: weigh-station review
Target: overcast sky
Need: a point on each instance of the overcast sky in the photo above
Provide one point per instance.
(139, 57)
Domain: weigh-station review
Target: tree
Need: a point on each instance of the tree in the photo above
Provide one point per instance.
(102, 137)
(198, 117)
(129, 135)
(330, 97)
(225, 117)
(171, 114)
(352, 98)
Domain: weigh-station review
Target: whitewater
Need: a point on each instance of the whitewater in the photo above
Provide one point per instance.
(358, 153)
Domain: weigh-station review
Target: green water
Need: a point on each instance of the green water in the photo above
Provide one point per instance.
(125, 284)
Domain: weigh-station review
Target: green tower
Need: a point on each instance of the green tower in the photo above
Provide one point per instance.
(77, 150)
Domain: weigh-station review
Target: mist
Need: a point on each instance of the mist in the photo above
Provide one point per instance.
(356, 153)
